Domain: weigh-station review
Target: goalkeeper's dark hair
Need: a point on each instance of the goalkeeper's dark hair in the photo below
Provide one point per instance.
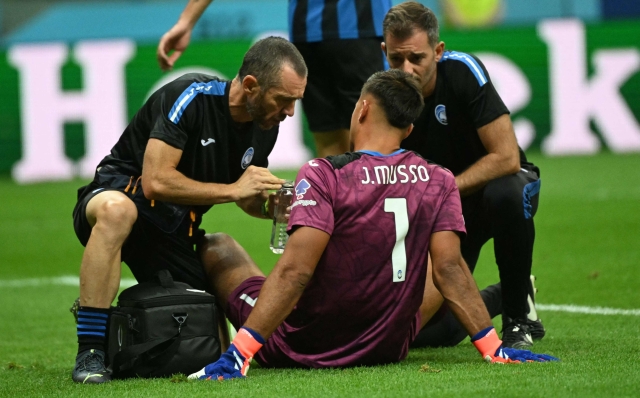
(404, 19)
(398, 94)
(266, 58)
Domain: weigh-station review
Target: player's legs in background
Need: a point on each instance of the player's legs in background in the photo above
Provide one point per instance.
(511, 203)
(478, 233)
(110, 216)
(337, 71)
(328, 123)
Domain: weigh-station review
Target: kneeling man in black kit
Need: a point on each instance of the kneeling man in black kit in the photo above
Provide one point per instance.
(197, 141)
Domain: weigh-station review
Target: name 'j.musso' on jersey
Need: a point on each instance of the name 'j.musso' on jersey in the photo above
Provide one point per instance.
(395, 174)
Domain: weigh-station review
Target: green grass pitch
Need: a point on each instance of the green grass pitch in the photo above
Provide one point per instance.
(587, 253)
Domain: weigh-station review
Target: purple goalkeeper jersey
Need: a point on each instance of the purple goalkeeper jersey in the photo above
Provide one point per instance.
(361, 305)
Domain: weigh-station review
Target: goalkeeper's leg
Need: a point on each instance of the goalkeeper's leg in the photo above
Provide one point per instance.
(444, 330)
(226, 264)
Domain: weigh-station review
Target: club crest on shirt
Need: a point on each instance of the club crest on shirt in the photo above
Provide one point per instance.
(247, 157)
(302, 188)
(441, 114)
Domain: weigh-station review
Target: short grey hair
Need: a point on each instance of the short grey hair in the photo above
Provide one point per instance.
(266, 58)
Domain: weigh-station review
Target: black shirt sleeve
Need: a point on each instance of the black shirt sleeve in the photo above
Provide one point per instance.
(174, 114)
(474, 89)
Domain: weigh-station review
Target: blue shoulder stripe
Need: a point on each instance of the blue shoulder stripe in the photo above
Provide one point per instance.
(213, 87)
(468, 60)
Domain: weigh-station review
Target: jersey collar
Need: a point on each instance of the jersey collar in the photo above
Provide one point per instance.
(373, 153)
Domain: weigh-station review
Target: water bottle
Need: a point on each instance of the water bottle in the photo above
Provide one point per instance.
(279, 234)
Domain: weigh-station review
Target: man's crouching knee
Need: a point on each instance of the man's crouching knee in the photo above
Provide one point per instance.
(226, 263)
(217, 247)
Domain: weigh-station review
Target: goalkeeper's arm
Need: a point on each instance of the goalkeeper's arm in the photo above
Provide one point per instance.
(279, 294)
(452, 277)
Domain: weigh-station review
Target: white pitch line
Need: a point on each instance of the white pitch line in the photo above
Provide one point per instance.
(67, 280)
(70, 280)
(580, 309)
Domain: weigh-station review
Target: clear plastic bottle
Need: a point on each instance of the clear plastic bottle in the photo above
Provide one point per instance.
(279, 234)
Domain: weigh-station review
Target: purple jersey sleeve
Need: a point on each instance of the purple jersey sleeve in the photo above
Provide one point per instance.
(450, 215)
(313, 200)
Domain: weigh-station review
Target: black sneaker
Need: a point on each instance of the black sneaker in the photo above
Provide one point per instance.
(90, 368)
(515, 333)
(533, 322)
(536, 329)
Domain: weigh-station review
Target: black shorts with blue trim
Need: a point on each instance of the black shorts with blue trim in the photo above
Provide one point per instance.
(338, 69)
(504, 208)
(160, 237)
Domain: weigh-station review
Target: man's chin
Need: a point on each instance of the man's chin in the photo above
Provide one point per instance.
(268, 125)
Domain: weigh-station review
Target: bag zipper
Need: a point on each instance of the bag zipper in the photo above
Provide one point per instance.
(166, 301)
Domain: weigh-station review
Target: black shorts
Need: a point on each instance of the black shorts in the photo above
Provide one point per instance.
(156, 241)
(337, 70)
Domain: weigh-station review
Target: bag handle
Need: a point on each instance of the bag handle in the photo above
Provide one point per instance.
(164, 278)
(145, 357)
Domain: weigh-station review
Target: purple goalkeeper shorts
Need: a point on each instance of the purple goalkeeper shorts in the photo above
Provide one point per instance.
(239, 305)
(242, 300)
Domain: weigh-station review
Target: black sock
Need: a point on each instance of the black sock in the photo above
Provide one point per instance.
(92, 328)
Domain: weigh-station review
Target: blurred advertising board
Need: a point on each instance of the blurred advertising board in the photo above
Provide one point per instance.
(572, 89)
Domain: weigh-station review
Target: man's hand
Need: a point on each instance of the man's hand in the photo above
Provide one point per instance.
(254, 181)
(502, 158)
(235, 362)
(490, 347)
(274, 201)
(176, 39)
(263, 205)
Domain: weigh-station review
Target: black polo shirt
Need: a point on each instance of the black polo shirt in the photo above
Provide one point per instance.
(192, 114)
(463, 101)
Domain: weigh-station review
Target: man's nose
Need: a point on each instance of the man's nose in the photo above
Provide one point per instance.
(407, 67)
(289, 109)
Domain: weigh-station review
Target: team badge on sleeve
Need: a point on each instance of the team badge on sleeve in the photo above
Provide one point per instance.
(302, 188)
(247, 157)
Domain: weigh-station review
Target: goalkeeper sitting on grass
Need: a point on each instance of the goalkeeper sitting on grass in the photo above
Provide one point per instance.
(351, 287)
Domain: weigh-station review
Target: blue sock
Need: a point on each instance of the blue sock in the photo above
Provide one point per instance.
(92, 328)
